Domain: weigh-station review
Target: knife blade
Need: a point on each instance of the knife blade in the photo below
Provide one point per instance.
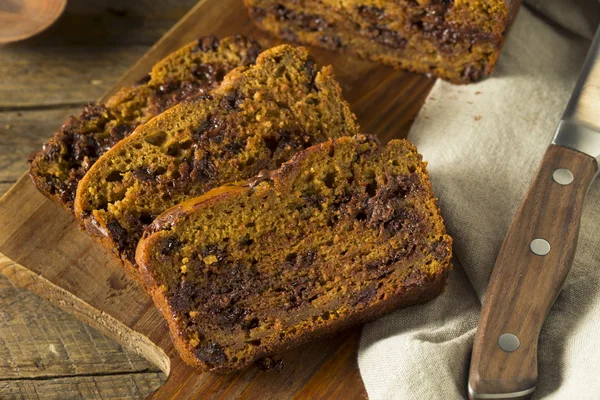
(538, 250)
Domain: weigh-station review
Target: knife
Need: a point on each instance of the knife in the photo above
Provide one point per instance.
(539, 248)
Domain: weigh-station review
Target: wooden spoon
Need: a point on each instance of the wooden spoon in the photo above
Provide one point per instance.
(20, 19)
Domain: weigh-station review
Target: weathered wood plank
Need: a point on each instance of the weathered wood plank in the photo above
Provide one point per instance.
(59, 75)
(341, 367)
(113, 387)
(113, 22)
(38, 340)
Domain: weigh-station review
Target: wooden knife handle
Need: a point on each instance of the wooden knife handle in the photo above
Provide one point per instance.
(524, 284)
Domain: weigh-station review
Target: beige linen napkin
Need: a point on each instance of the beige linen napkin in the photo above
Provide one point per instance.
(484, 143)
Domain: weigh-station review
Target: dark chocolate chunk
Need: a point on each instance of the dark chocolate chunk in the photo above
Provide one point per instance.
(310, 66)
(181, 300)
(207, 43)
(170, 245)
(371, 13)
(440, 250)
(211, 128)
(204, 168)
(212, 354)
(473, 73)
(283, 13)
(233, 101)
(118, 235)
(387, 37)
(365, 296)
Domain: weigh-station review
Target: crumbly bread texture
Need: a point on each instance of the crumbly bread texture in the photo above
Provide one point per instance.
(259, 117)
(344, 232)
(192, 70)
(457, 40)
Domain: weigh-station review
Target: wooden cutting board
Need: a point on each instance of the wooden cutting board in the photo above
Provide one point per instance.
(43, 250)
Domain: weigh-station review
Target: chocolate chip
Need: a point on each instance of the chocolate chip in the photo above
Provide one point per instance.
(272, 143)
(83, 146)
(307, 258)
(92, 111)
(207, 43)
(311, 71)
(170, 245)
(207, 72)
(51, 152)
(146, 219)
(472, 73)
(387, 37)
(115, 134)
(314, 200)
(314, 23)
(214, 250)
(118, 235)
(440, 250)
(284, 13)
(212, 354)
(365, 296)
(211, 128)
(143, 174)
(233, 101)
(234, 146)
(181, 297)
(230, 316)
(120, 131)
(371, 13)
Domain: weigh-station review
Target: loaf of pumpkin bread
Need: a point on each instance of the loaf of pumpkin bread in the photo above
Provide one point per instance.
(344, 232)
(259, 117)
(457, 40)
(192, 70)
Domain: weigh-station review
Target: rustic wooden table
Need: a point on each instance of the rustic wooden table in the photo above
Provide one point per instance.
(44, 352)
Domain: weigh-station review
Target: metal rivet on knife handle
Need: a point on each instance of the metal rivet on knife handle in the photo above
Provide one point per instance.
(508, 342)
(562, 176)
(540, 247)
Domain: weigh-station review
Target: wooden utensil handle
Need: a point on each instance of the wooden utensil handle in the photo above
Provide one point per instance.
(532, 265)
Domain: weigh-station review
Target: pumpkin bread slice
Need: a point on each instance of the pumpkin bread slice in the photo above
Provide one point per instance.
(457, 40)
(258, 118)
(344, 232)
(194, 69)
